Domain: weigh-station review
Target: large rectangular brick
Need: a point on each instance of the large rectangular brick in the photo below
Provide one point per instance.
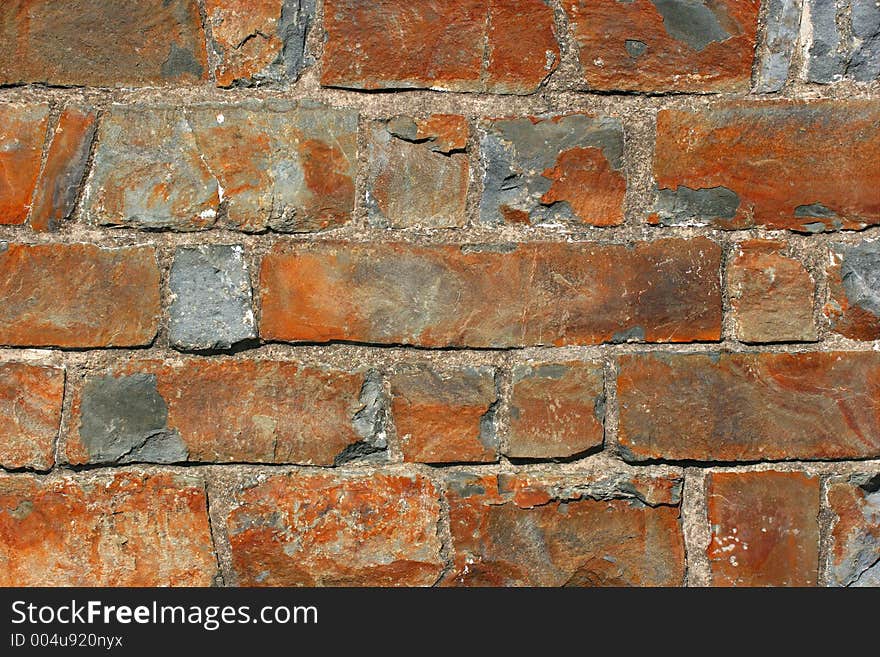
(749, 407)
(794, 165)
(30, 414)
(335, 530)
(78, 295)
(106, 529)
(22, 135)
(492, 296)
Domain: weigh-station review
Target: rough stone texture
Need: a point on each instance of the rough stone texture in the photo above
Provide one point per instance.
(122, 529)
(665, 45)
(65, 168)
(219, 411)
(853, 308)
(78, 295)
(845, 40)
(446, 417)
(259, 42)
(94, 42)
(764, 528)
(308, 529)
(565, 168)
(517, 530)
(854, 557)
(413, 178)
(457, 45)
(557, 410)
(743, 158)
(781, 35)
(541, 293)
(771, 294)
(212, 303)
(253, 166)
(30, 415)
(749, 407)
(22, 134)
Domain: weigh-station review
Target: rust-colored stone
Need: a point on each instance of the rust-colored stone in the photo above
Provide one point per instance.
(540, 293)
(854, 556)
(122, 529)
(749, 407)
(445, 132)
(22, 135)
(306, 529)
(740, 165)
(764, 528)
(78, 295)
(853, 307)
(30, 414)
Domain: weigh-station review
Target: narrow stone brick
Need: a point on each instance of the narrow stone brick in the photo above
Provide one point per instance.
(732, 166)
(445, 417)
(78, 295)
(30, 415)
(117, 529)
(749, 407)
(308, 529)
(764, 528)
(95, 43)
(780, 39)
(854, 556)
(492, 296)
(522, 530)
(557, 410)
(853, 308)
(22, 135)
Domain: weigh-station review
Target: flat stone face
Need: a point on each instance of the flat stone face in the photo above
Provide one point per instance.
(557, 410)
(456, 45)
(254, 166)
(336, 530)
(93, 43)
(566, 168)
(764, 528)
(854, 556)
(664, 45)
(219, 411)
(540, 293)
(853, 308)
(749, 407)
(414, 179)
(260, 41)
(78, 295)
(30, 415)
(212, 306)
(841, 49)
(22, 134)
(118, 529)
(445, 417)
(771, 294)
(518, 530)
(780, 41)
(732, 167)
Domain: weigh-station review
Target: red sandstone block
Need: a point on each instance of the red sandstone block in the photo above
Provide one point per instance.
(22, 135)
(30, 414)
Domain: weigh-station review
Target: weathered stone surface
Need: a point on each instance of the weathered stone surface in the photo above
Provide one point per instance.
(843, 49)
(78, 295)
(749, 407)
(557, 410)
(780, 39)
(771, 294)
(222, 411)
(413, 180)
(336, 530)
(853, 308)
(733, 166)
(540, 293)
(259, 42)
(523, 530)
(555, 168)
(254, 166)
(65, 168)
(665, 45)
(22, 135)
(95, 43)
(30, 414)
(122, 529)
(854, 556)
(445, 417)
(764, 528)
(212, 303)
(456, 45)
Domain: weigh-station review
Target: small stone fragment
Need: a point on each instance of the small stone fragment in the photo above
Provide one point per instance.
(22, 135)
(30, 415)
(854, 557)
(853, 308)
(781, 34)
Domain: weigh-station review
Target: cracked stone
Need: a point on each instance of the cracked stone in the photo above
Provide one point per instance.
(854, 555)
(22, 134)
(853, 308)
(30, 414)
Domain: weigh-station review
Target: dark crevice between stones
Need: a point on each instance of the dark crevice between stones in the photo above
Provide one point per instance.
(872, 485)
(237, 348)
(370, 423)
(577, 456)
